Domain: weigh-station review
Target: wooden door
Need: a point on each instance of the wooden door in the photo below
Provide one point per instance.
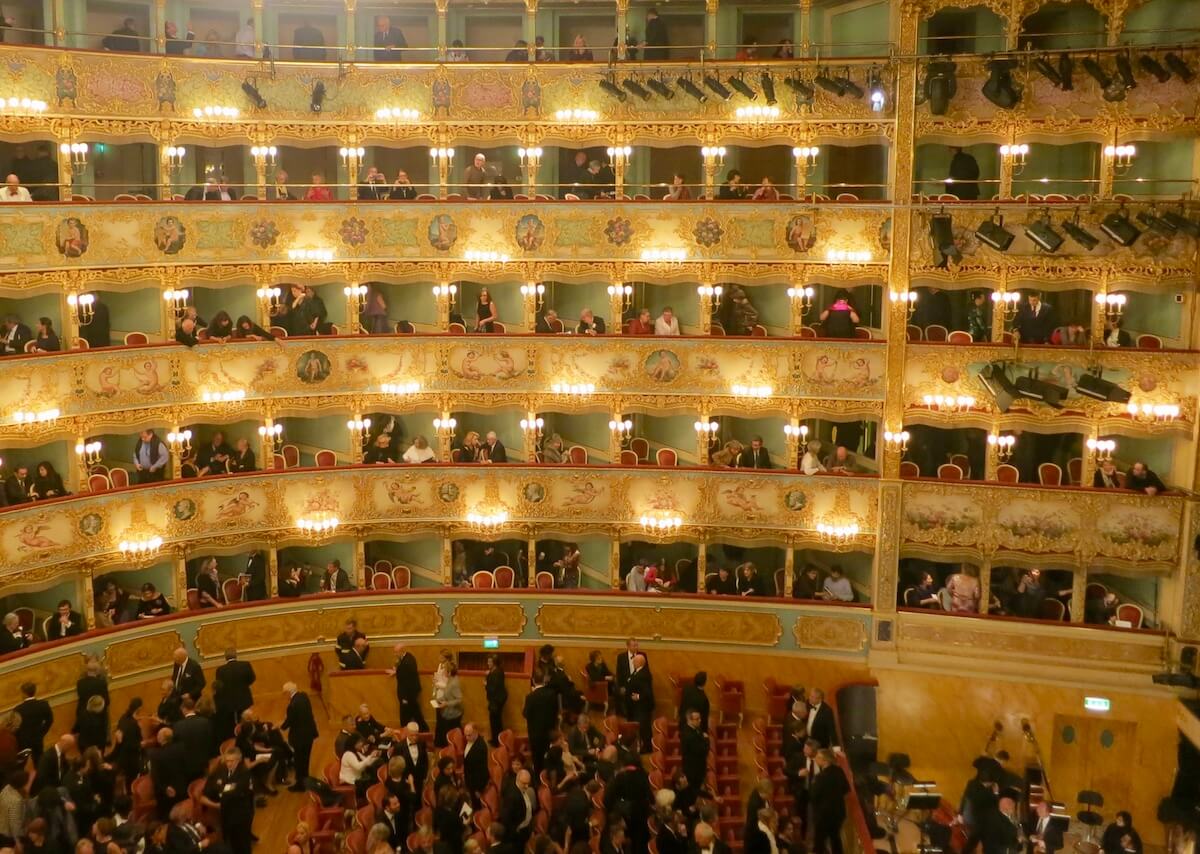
(1092, 752)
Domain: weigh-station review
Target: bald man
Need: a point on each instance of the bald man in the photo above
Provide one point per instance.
(13, 191)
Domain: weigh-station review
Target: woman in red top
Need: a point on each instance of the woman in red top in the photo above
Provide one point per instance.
(318, 192)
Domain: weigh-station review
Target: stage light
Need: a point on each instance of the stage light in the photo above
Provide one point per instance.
(852, 89)
(715, 86)
(1093, 385)
(613, 89)
(1000, 88)
(1156, 223)
(1182, 70)
(317, 101)
(1180, 222)
(941, 233)
(1079, 234)
(1153, 67)
(1042, 233)
(1117, 226)
(686, 84)
(1066, 71)
(941, 84)
(832, 85)
(660, 88)
(768, 87)
(739, 86)
(1042, 64)
(254, 95)
(1048, 393)
(1093, 68)
(636, 88)
(875, 91)
(805, 93)
(1125, 71)
(994, 377)
(992, 232)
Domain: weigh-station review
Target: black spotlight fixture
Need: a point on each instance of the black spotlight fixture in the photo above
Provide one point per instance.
(717, 87)
(660, 88)
(740, 86)
(852, 89)
(634, 88)
(1178, 219)
(832, 85)
(1176, 64)
(686, 84)
(1154, 68)
(768, 87)
(1118, 227)
(1079, 234)
(254, 95)
(1092, 384)
(1000, 88)
(940, 86)
(1125, 71)
(1047, 70)
(613, 89)
(1093, 67)
(941, 234)
(805, 93)
(317, 102)
(1042, 233)
(1066, 70)
(992, 232)
(1155, 223)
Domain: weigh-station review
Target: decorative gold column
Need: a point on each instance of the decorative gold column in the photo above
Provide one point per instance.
(170, 282)
(444, 437)
(158, 26)
(181, 599)
(87, 599)
(622, 23)
(59, 17)
(701, 566)
(259, 28)
(1078, 592)
(350, 29)
(1088, 468)
(706, 307)
(711, 7)
(447, 558)
(531, 7)
(70, 321)
(789, 569)
(531, 560)
(266, 447)
(442, 7)
(273, 571)
(1107, 168)
(702, 439)
(444, 300)
(359, 577)
(998, 309)
(176, 455)
(1098, 309)
(1006, 178)
(985, 584)
(616, 308)
(262, 280)
(66, 171)
(614, 562)
(805, 28)
(353, 320)
(991, 454)
(77, 472)
(164, 170)
(356, 444)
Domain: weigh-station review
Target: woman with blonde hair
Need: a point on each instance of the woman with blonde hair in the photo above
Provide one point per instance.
(471, 449)
(727, 456)
(447, 701)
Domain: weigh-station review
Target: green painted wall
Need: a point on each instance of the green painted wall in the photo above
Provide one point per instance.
(43, 602)
(423, 558)
(1071, 169)
(1156, 314)
(135, 311)
(31, 308)
(58, 454)
(931, 165)
(314, 434)
(161, 575)
(985, 25)
(570, 299)
(1159, 169)
(771, 430)
(236, 301)
(507, 424)
(510, 305)
(669, 431)
(589, 430)
(859, 31)
(1162, 21)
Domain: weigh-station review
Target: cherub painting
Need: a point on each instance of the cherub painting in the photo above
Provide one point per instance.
(110, 375)
(147, 376)
(71, 237)
(736, 496)
(401, 493)
(662, 365)
(506, 368)
(236, 507)
(32, 539)
(582, 494)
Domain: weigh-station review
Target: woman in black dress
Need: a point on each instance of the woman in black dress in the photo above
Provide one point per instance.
(497, 696)
(485, 312)
(221, 328)
(47, 483)
(247, 330)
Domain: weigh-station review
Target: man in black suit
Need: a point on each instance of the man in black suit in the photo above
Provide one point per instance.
(13, 637)
(195, 733)
(416, 756)
(624, 668)
(640, 689)
(496, 834)
(705, 841)
(821, 725)
(493, 449)
(541, 718)
(828, 800)
(231, 790)
(53, 766)
(475, 761)
(755, 456)
(629, 794)
(187, 676)
(1036, 321)
(65, 623)
(801, 771)
(350, 635)
(36, 720)
(336, 579)
(693, 697)
(168, 772)
(16, 486)
(517, 810)
(231, 693)
(354, 658)
(694, 748)
(256, 569)
(394, 816)
(301, 728)
(1042, 833)
(16, 333)
(795, 728)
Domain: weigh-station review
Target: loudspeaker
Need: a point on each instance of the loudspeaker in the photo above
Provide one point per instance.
(1047, 393)
(1097, 388)
(995, 380)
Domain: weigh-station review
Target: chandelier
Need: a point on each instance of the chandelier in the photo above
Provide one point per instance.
(141, 547)
(1153, 412)
(757, 391)
(838, 535)
(40, 417)
(1002, 444)
(319, 524)
(953, 403)
(324, 255)
(487, 522)
(223, 396)
(400, 388)
(574, 389)
(661, 522)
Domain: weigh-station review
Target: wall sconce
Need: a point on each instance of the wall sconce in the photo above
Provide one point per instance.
(481, 256)
(623, 429)
(1120, 156)
(802, 299)
(799, 434)
(77, 152)
(397, 114)
(269, 297)
(706, 428)
(181, 443)
(1101, 449)
(318, 525)
(1006, 302)
(574, 389)
(1153, 412)
(838, 535)
(756, 391)
(532, 427)
(896, 441)
(531, 158)
(756, 114)
(442, 156)
(40, 417)
(1003, 445)
(1014, 156)
(21, 106)
(620, 155)
(352, 155)
(444, 427)
(710, 298)
(359, 428)
(845, 256)
(664, 256)
(215, 113)
(949, 402)
(1113, 305)
(806, 158)
(714, 156)
(82, 308)
(487, 522)
(445, 293)
(231, 396)
(140, 547)
(274, 433)
(176, 300)
(173, 156)
(661, 522)
(356, 295)
(577, 116)
(909, 298)
(314, 256)
(88, 452)
(264, 155)
(534, 292)
(626, 294)
(400, 389)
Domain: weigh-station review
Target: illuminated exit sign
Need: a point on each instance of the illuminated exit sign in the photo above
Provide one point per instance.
(1097, 704)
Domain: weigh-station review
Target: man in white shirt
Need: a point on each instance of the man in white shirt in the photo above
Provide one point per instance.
(245, 40)
(667, 323)
(13, 191)
(419, 451)
(837, 586)
(635, 582)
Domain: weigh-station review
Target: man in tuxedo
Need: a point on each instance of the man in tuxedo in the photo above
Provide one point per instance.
(354, 658)
(517, 810)
(1043, 835)
(795, 728)
(705, 841)
(475, 761)
(624, 668)
(828, 800)
(996, 826)
(13, 638)
(53, 766)
(195, 733)
(541, 718)
(16, 486)
(416, 756)
(1036, 321)
(301, 728)
(693, 697)
(755, 456)
(641, 699)
(821, 725)
(394, 817)
(187, 675)
(36, 720)
(493, 449)
(694, 749)
(801, 771)
(496, 834)
(231, 790)
(168, 772)
(65, 623)
(231, 693)
(256, 569)
(408, 688)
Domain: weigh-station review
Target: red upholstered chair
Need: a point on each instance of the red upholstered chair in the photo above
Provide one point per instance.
(277, 331)
(233, 589)
(1130, 613)
(383, 565)
(1053, 609)
(456, 329)
(808, 332)
(326, 458)
(291, 456)
(958, 336)
(577, 455)
(1049, 474)
(118, 477)
(641, 447)
(280, 461)
(544, 580)
(483, 580)
(401, 578)
(949, 471)
(758, 331)
(98, 483)
(716, 329)
(914, 333)
(1075, 470)
(936, 332)
(1007, 474)
(909, 469)
(666, 457)
(629, 458)
(1149, 342)
(381, 580)
(135, 339)
(505, 577)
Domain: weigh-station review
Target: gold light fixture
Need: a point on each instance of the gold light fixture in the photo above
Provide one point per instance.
(759, 392)
(264, 155)
(445, 293)
(176, 300)
(626, 294)
(909, 298)
(214, 113)
(82, 308)
(312, 256)
(622, 428)
(1101, 449)
(530, 158)
(1006, 303)
(1113, 305)
(13, 106)
(574, 389)
(400, 389)
(1161, 413)
(576, 116)
(173, 156)
(620, 155)
(1003, 445)
(806, 159)
(802, 299)
(269, 298)
(444, 427)
(714, 156)
(949, 402)
(896, 441)
(319, 524)
(798, 433)
(1014, 156)
(140, 548)
(488, 522)
(848, 256)
(532, 426)
(227, 396)
(356, 296)
(442, 156)
(485, 256)
(360, 428)
(89, 453)
(757, 113)
(535, 292)
(76, 152)
(272, 432)
(1120, 156)
(673, 255)
(661, 522)
(837, 535)
(41, 416)
(181, 442)
(397, 115)
(352, 155)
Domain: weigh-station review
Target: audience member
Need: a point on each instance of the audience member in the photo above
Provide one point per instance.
(732, 188)
(12, 191)
(677, 191)
(124, 38)
(840, 319)
(388, 40)
(150, 457)
(579, 52)
(1141, 479)
(766, 192)
(836, 587)
(47, 340)
(667, 323)
(317, 191)
(1035, 321)
(589, 324)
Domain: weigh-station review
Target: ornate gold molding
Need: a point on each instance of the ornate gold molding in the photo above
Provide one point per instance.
(842, 634)
(502, 619)
(741, 628)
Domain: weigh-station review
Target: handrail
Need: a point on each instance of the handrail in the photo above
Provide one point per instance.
(862, 831)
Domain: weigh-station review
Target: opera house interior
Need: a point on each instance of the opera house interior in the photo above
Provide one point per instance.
(563, 426)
